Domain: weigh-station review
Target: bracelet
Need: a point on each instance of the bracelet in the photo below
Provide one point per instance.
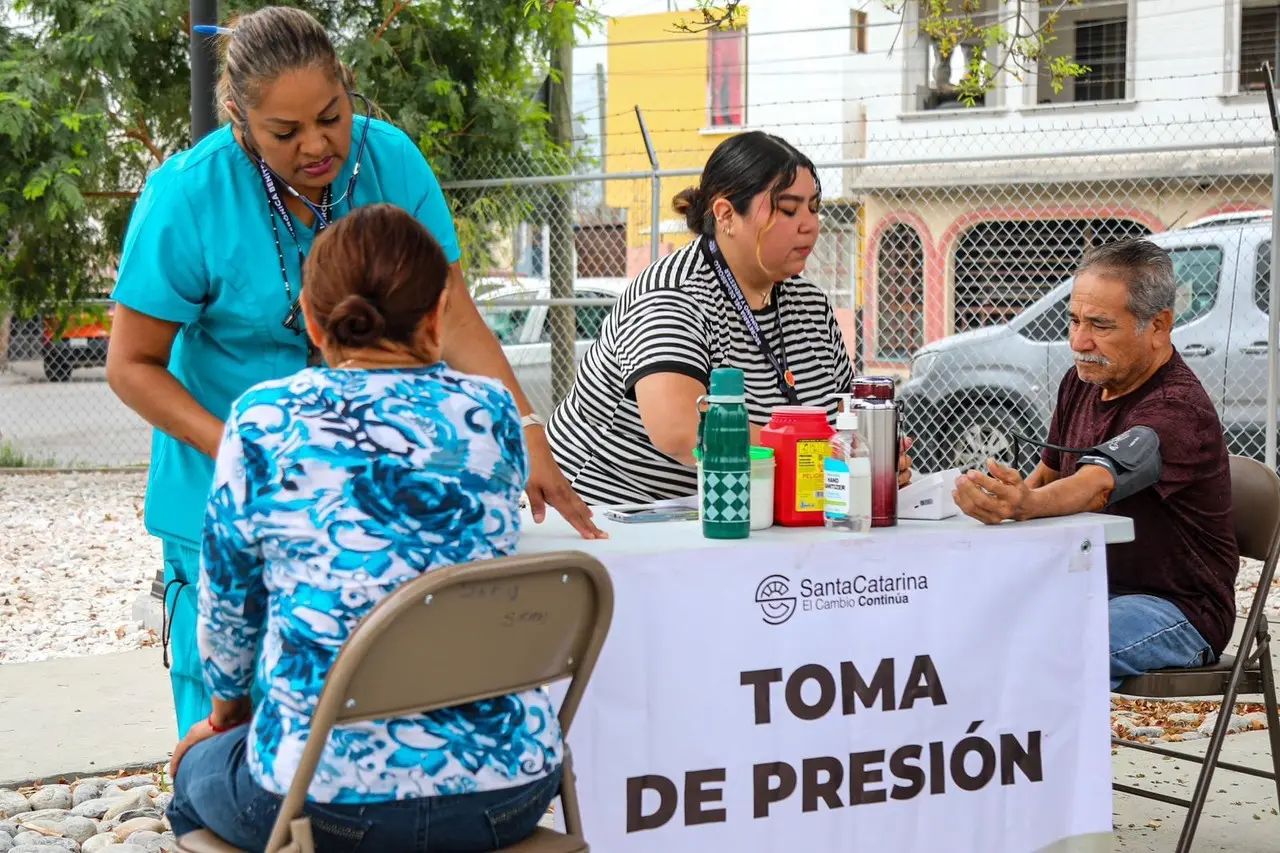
(217, 729)
(532, 420)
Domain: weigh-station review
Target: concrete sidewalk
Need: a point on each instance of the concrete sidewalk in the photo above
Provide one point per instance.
(81, 716)
(84, 715)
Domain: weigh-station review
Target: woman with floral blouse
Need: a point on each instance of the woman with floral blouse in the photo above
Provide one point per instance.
(332, 488)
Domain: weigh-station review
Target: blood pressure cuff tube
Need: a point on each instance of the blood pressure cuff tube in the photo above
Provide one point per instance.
(1133, 458)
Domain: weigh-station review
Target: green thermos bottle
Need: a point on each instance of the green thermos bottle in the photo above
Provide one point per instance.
(724, 438)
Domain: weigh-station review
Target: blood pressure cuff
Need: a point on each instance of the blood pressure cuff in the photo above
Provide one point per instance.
(1133, 458)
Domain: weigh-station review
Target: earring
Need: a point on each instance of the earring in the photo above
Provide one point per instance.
(728, 229)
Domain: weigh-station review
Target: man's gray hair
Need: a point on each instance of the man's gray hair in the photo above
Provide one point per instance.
(1144, 267)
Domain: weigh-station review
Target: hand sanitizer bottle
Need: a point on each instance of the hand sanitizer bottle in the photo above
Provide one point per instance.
(846, 491)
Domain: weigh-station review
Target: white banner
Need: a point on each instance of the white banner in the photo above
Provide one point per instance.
(942, 692)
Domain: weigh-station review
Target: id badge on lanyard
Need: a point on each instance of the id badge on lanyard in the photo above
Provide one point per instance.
(786, 379)
(293, 321)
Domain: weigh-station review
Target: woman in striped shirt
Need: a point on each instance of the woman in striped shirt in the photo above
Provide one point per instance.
(734, 297)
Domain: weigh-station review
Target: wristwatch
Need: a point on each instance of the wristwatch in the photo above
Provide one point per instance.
(532, 420)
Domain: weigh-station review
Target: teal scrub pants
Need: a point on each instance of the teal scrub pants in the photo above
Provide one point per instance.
(191, 698)
(192, 701)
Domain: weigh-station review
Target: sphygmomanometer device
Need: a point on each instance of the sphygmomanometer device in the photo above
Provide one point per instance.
(1132, 457)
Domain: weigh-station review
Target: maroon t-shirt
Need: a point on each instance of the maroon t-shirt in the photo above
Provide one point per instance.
(1184, 547)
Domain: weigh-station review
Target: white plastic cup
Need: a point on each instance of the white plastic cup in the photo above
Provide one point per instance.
(762, 473)
(761, 491)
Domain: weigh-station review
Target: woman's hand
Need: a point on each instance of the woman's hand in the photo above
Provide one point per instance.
(227, 714)
(547, 485)
(904, 462)
(201, 731)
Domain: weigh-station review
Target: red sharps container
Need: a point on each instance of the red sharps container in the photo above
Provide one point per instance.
(801, 440)
(878, 427)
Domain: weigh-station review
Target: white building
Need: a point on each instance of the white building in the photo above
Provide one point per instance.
(944, 217)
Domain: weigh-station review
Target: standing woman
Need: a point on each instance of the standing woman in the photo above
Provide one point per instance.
(211, 271)
(734, 297)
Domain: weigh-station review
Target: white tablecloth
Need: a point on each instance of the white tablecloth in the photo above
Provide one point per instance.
(1013, 618)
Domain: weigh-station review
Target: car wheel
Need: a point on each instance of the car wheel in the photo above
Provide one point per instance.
(56, 368)
(987, 432)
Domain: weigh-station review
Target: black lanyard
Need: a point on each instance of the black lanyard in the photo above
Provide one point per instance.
(276, 208)
(786, 379)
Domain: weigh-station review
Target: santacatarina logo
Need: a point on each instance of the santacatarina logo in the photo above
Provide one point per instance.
(775, 599)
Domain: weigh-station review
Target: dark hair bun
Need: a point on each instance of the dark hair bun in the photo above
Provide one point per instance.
(691, 203)
(356, 322)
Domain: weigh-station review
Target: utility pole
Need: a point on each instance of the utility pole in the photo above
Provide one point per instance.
(204, 71)
(561, 262)
(601, 102)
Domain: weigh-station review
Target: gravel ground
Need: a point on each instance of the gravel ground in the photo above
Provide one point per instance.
(124, 813)
(73, 558)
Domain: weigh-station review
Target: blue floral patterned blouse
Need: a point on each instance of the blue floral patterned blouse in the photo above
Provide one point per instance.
(331, 489)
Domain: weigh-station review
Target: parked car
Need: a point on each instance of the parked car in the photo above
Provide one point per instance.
(79, 340)
(517, 312)
(969, 394)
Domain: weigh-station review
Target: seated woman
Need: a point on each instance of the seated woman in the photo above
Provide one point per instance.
(734, 297)
(332, 488)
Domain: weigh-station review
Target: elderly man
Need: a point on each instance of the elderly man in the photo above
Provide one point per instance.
(1172, 601)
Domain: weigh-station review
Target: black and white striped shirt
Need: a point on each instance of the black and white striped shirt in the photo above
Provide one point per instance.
(676, 318)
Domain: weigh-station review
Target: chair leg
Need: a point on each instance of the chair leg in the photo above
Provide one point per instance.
(1205, 779)
(1273, 714)
(569, 798)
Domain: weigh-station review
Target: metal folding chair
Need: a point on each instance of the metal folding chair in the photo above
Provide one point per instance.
(1255, 498)
(456, 635)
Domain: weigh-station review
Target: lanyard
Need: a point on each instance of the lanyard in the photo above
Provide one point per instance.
(276, 208)
(277, 205)
(786, 379)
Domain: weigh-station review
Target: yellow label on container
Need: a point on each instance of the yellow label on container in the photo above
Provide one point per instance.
(810, 456)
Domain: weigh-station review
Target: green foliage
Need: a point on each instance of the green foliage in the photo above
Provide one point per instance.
(13, 457)
(94, 94)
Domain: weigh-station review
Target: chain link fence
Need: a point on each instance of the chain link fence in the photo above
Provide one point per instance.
(946, 253)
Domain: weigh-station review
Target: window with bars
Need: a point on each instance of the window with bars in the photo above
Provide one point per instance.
(1102, 47)
(1259, 43)
(1002, 267)
(899, 293)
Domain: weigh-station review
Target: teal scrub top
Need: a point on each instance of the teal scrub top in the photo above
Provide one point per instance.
(199, 251)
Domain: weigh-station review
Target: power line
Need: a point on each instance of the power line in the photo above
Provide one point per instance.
(874, 96)
(749, 65)
(1011, 133)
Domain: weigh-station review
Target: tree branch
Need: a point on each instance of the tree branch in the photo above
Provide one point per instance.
(391, 16)
(714, 17)
(143, 135)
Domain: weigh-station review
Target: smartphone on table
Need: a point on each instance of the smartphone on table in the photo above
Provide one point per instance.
(650, 514)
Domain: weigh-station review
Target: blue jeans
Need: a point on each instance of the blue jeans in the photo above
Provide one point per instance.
(214, 790)
(1149, 633)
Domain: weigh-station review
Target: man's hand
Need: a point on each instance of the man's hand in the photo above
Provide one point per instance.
(547, 485)
(904, 462)
(1002, 496)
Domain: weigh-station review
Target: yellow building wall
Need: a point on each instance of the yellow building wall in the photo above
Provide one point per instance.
(664, 72)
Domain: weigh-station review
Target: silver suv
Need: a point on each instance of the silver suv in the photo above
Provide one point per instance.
(969, 394)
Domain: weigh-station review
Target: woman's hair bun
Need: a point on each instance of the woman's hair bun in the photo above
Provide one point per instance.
(691, 203)
(356, 322)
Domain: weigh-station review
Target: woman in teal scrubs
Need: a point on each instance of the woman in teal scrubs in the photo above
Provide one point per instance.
(211, 269)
